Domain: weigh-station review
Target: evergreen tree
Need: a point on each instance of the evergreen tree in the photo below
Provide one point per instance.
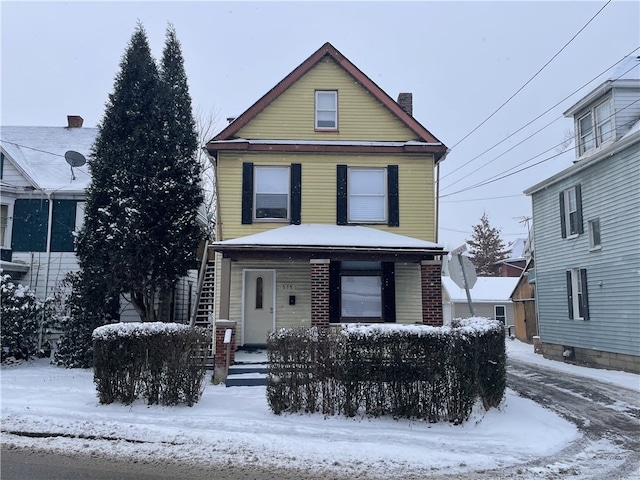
(140, 231)
(486, 247)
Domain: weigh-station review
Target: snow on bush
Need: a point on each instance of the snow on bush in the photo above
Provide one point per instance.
(137, 329)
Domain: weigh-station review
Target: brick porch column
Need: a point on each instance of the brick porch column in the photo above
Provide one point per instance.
(220, 357)
(431, 281)
(320, 292)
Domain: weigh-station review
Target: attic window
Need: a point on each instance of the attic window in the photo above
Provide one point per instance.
(595, 127)
(326, 117)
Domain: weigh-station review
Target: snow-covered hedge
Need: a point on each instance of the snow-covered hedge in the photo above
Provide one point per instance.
(163, 362)
(411, 371)
(21, 315)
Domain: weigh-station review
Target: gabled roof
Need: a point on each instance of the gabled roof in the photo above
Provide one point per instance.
(328, 50)
(38, 153)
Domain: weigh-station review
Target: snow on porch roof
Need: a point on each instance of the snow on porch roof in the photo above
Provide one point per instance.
(335, 236)
(486, 289)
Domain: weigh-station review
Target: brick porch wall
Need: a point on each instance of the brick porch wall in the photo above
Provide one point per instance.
(320, 292)
(431, 281)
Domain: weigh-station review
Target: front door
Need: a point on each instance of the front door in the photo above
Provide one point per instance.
(259, 315)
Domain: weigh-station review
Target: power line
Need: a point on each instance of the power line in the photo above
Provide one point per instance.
(536, 118)
(531, 79)
(505, 174)
(481, 199)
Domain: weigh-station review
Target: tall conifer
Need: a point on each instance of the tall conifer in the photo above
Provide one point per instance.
(487, 247)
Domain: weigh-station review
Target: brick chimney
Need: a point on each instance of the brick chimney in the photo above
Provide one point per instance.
(74, 121)
(405, 100)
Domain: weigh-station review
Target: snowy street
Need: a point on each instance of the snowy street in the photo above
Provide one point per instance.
(557, 421)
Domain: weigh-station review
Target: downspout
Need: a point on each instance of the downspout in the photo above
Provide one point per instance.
(46, 276)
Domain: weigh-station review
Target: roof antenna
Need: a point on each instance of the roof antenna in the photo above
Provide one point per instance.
(74, 159)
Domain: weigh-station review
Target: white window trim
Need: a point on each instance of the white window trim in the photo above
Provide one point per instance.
(80, 206)
(257, 168)
(567, 212)
(495, 313)
(334, 110)
(576, 290)
(595, 124)
(592, 245)
(4, 241)
(384, 195)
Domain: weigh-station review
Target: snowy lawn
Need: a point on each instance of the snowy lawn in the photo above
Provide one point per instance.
(236, 425)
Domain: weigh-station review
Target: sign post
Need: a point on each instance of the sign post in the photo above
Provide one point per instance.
(463, 273)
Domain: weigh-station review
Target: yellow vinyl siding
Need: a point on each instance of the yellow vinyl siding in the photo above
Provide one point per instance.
(291, 279)
(360, 115)
(416, 196)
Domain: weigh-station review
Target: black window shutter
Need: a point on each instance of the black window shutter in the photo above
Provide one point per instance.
(296, 193)
(63, 225)
(388, 292)
(341, 202)
(392, 193)
(334, 292)
(563, 220)
(247, 193)
(579, 208)
(30, 219)
(569, 294)
(585, 295)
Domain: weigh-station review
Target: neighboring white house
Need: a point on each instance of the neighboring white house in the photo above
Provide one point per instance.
(490, 298)
(42, 208)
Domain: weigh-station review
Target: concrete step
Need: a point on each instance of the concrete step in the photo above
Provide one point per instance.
(247, 375)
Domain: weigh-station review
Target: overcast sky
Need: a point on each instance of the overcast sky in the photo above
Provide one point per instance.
(461, 61)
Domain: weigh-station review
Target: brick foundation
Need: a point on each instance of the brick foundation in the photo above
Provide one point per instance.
(431, 282)
(320, 292)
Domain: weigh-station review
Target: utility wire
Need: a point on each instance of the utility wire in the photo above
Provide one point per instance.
(531, 79)
(536, 118)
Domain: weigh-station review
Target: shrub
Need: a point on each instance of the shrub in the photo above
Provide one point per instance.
(409, 371)
(161, 362)
(22, 314)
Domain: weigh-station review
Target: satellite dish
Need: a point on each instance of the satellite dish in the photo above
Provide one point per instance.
(75, 159)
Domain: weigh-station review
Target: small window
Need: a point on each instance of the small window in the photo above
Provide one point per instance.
(594, 234)
(577, 297)
(271, 193)
(4, 219)
(367, 202)
(259, 293)
(587, 139)
(326, 110)
(500, 313)
(79, 216)
(604, 130)
(571, 211)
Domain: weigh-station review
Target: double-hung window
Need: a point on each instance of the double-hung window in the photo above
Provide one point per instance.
(368, 195)
(367, 189)
(595, 127)
(500, 313)
(577, 298)
(271, 193)
(571, 211)
(595, 243)
(326, 117)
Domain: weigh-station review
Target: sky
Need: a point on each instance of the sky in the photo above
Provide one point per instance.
(234, 425)
(491, 80)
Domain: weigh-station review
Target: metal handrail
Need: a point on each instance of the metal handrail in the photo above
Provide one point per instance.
(201, 277)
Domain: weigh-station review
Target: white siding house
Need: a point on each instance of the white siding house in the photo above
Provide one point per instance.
(586, 222)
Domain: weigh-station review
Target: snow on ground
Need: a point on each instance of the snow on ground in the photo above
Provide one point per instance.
(234, 424)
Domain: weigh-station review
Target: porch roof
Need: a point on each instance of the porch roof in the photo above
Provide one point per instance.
(330, 238)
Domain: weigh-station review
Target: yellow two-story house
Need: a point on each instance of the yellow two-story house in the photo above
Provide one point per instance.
(326, 206)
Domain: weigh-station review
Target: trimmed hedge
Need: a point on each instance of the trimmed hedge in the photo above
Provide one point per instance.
(406, 371)
(161, 362)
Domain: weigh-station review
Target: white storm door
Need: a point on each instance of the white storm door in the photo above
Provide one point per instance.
(259, 312)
